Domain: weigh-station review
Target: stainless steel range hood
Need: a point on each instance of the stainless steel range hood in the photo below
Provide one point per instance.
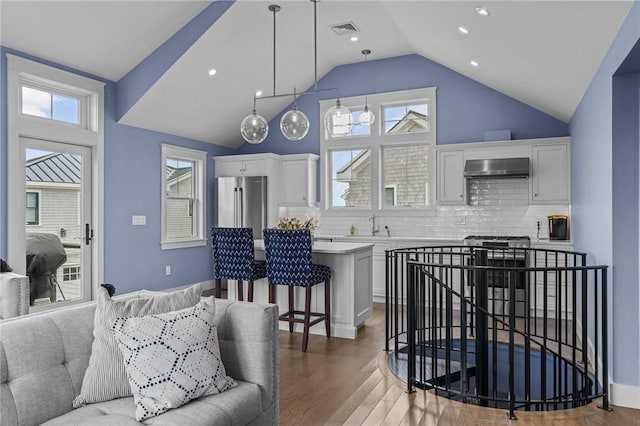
(497, 168)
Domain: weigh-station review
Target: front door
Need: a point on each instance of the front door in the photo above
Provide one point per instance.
(58, 228)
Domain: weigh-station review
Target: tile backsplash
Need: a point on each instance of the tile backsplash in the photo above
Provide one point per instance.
(494, 207)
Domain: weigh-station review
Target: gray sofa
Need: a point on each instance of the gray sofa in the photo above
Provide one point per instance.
(43, 358)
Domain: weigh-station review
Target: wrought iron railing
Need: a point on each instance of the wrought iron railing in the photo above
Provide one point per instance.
(521, 329)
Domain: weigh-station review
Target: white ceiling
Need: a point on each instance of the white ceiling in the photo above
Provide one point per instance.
(543, 53)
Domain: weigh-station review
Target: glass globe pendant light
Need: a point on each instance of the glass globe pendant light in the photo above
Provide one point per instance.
(294, 124)
(254, 128)
(366, 117)
(338, 120)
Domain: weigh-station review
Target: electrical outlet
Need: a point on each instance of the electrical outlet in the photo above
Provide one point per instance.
(167, 270)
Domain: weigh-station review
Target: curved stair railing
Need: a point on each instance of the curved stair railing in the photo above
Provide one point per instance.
(476, 326)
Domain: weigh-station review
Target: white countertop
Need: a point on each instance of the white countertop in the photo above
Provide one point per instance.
(328, 247)
(394, 239)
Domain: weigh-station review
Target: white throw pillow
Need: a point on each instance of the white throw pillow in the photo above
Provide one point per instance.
(105, 378)
(171, 358)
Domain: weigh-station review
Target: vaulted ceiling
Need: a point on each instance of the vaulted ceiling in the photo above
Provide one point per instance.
(543, 53)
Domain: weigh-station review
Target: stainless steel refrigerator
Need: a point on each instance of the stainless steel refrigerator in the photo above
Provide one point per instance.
(242, 202)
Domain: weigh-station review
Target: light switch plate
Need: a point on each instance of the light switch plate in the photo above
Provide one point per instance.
(138, 220)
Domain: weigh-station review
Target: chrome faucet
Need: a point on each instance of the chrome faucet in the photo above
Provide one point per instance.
(374, 230)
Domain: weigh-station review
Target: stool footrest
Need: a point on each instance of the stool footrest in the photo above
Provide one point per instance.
(287, 317)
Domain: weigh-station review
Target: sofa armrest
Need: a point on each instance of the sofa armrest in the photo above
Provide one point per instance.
(14, 295)
(249, 343)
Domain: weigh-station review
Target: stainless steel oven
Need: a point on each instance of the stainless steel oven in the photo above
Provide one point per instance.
(507, 252)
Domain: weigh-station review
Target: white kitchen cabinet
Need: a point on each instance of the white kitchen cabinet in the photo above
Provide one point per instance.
(379, 275)
(246, 165)
(550, 174)
(299, 180)
(450, 180)
(559, 284)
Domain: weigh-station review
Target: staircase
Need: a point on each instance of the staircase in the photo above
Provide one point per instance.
(447, 332)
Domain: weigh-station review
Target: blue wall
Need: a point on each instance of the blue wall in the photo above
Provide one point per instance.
(598, 194)
(465, 108)
(132, 185)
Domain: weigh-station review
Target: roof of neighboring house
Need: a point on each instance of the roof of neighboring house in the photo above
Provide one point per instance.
(347, 171)
(174, 174)
(54, 168)
(410, 121)
(407, 124)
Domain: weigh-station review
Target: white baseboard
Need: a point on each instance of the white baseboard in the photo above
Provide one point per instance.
(624, 395)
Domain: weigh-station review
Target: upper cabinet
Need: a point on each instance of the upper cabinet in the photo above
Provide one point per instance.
(550, 174)
(292, 180)
(549, 179)
(246, 165)
(299, 180)
(450, 180)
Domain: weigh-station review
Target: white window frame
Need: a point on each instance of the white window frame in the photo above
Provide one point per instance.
(199, 158)
(83, 97)
(38, 219)
(375, 142)
(21, 71)
(395, 193)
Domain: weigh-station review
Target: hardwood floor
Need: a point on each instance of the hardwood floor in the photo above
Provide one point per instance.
(346, 382)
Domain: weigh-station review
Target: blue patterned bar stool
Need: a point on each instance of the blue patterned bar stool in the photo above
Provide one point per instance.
(288, 254)
(233, 259)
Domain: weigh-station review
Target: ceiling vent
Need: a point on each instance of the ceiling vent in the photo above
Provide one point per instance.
(344, 29)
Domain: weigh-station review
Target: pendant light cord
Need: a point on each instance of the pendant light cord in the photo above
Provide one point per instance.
(315, 43)
(274, 8)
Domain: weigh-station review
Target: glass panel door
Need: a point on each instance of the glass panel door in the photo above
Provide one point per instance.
(58, 221)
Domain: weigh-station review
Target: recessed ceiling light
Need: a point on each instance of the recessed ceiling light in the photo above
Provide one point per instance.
(482, 11)
(463, 30)
(212, 71)
(258, 93)
(474, 63)
(354, 38)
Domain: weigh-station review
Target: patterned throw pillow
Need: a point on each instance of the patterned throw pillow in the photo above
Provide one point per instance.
(171, 358)
(105, 378)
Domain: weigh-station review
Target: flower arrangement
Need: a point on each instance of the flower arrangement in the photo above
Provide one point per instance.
(295, 223)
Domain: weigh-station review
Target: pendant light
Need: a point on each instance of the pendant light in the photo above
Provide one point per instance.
(254, 128)
(366, 117)
(338, 120)
(294, 124)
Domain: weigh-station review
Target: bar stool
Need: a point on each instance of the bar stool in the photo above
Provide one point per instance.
(288, 254)
(233, 259)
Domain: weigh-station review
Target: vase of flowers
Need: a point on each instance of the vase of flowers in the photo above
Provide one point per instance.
(295, 223)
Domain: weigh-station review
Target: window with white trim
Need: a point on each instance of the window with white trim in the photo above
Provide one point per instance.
(183, 197)
(33, 207)
(386, 166)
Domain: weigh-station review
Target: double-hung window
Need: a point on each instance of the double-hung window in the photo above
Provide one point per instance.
(387, 166)
(183, 197)
(33, 207)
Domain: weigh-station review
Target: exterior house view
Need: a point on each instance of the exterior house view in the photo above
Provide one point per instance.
(52, 206)
(469, 175)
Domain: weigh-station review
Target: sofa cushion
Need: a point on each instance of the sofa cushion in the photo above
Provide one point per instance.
(106, 377)
(171, 358)
(237, 406)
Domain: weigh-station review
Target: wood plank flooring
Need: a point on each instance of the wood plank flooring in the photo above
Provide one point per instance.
(346, 382)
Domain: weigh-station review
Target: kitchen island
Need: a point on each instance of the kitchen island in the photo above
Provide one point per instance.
(351, 287)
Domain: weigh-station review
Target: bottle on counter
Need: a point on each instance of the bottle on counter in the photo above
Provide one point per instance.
(352, 230)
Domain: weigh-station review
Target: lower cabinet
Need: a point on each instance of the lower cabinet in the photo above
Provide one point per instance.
(552, 291)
